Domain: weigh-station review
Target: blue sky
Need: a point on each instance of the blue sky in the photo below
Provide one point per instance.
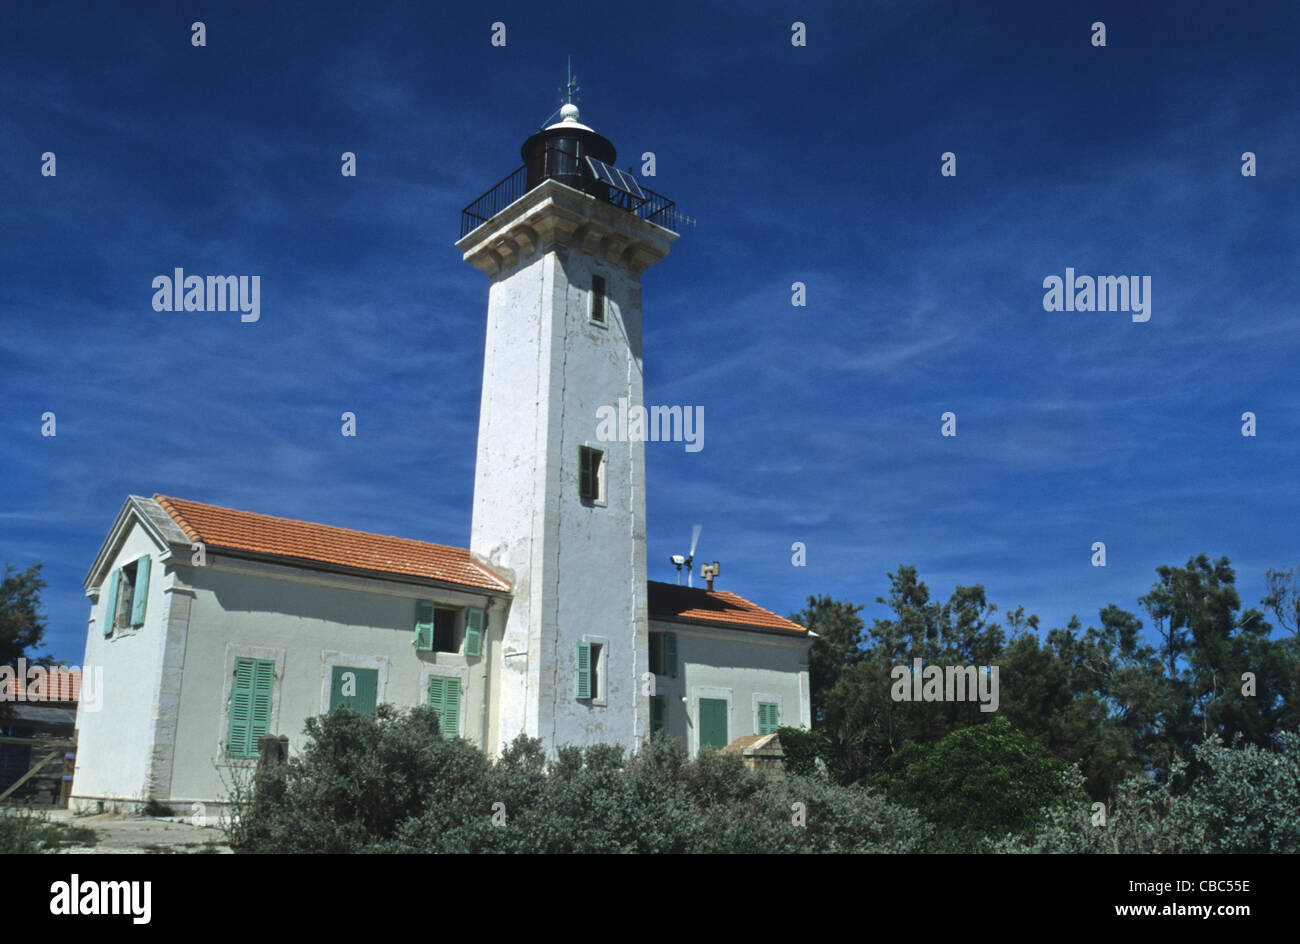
(817, 164)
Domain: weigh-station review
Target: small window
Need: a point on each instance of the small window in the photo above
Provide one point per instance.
(663, 654)
(444, 631)
(591, 474)
(597, 693)
(598, 299)
(128, 596)
(588, 671)
(769, 717)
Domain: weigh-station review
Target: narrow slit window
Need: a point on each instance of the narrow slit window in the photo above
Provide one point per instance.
(597, 299)
(591, 474)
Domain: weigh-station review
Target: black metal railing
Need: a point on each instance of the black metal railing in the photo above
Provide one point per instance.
(564, 166)
(494, 201)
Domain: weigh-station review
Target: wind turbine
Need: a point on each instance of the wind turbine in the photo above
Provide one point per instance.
(687, 561)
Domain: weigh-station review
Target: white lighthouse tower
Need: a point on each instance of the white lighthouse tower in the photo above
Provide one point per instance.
(564, 242)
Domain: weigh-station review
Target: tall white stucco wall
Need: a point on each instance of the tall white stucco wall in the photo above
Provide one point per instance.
(579, 569)
(115, 743)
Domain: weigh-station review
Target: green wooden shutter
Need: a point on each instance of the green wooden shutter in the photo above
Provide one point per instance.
(713, 722)
(110, 605)
(365, 684)
(656, 714)
(263, 688)
(141, 598)
(449, 720)
(241, 697)
(250, 705)
(670, 655)
(582, 670)
(474, 631)
(444, 698)
(424, 626)
(768, 717)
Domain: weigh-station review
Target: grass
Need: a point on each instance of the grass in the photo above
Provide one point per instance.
(31, 831)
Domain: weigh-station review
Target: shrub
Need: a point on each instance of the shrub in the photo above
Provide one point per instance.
(27, 831)
(1246, 799)
(392, 784)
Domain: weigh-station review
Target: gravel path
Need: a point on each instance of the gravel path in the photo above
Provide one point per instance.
(119, 833)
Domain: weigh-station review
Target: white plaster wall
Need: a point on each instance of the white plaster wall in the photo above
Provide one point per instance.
(579, 570)
(306, 622)
(739, 666)
(115, 744)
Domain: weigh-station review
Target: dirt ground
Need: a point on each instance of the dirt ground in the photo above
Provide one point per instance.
(119, 833)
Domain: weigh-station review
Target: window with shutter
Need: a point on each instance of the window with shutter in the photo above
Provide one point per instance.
(424, 626)
(670, 655)
(444, 699)
(582, 670)
(354, 688)
(140, 599)
(250, 705)
(474, 620)
(656, 714)
(110, 603)
(768, 717)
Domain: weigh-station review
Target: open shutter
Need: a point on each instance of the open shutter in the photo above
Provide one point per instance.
(424, 626)
(670, 655)
(474, 631)
(241, 699)
(110, 604)
(141, 599)
(582, 670)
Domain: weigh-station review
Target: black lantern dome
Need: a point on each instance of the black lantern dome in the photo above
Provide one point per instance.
(557, 151)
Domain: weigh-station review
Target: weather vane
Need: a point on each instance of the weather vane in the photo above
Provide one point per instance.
(568, 93)
(571, 89)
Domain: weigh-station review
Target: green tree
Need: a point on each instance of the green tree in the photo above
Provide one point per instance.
(22, 624)
(980, 782)
(1206, 647)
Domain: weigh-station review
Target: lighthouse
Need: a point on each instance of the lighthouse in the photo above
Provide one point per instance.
(564, 241)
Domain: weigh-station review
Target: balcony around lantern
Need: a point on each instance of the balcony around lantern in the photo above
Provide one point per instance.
(568, 169)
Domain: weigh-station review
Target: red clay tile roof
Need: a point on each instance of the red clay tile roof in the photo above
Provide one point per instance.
(303, 540)
(698, 605)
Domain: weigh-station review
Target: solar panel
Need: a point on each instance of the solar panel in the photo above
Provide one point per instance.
(616, 178)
